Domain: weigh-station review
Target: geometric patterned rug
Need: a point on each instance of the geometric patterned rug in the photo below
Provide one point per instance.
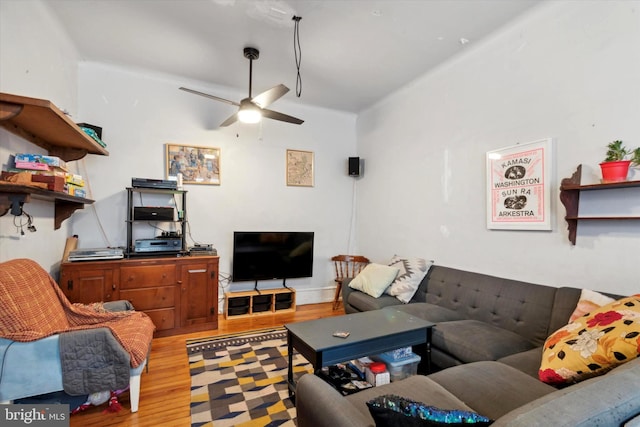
(241, 379)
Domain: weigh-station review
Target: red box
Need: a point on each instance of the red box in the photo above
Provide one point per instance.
(54, 183)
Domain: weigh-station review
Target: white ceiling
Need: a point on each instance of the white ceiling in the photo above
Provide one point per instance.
(354, 52)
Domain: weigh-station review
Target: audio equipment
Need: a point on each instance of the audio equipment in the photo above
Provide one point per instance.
(159, 244)
(354, 166)
(154, 183)
(96, 254)
(153, 213)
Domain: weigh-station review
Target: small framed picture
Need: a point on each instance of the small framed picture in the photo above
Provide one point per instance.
(198, 165)
(300, 168)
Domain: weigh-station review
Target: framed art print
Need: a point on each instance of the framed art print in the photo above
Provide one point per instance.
(519, 186)
(198, 165)
(300, 168)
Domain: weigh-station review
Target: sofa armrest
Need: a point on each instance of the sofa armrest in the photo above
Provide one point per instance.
(119, 305)
(320, 405)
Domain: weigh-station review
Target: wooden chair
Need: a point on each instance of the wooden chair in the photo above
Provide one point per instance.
(347, 266)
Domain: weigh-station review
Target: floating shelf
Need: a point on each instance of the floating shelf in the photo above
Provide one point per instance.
(570, 189)
(65, 204)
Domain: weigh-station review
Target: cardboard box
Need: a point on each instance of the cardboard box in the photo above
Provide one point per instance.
(54, 183)
(37, 166)
(74, 179)
(52, 161)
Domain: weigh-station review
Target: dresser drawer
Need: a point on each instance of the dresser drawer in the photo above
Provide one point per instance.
(146, 276)
(150, 298)
(163, 318)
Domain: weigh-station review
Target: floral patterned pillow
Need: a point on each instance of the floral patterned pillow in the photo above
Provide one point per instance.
(593, 344)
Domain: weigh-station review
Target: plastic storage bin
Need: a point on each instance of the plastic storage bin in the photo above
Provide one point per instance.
(400, 369)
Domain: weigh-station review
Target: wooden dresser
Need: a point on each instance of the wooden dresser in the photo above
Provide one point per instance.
(180, 295)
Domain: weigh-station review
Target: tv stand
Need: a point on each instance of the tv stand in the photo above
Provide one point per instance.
(244, 304)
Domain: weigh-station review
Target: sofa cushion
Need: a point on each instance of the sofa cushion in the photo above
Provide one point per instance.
(411, 272)
(472, 340)
(491, 388)
(416, 387)
(397, 411)
(520, 307)
(431, 312)
(364, 302)
(374, 279)
(593, 344)
(525, 361)
(607, 400)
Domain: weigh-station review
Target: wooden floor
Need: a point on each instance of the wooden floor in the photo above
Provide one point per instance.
(165, 389)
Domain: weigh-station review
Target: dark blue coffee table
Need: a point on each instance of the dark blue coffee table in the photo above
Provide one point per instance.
(370, 332)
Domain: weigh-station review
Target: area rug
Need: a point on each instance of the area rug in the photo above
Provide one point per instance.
(241, 379)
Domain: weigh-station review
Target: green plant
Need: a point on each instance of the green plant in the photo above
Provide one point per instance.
(635, 159)
(616, 151)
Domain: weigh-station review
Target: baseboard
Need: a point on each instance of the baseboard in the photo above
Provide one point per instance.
(315, 295)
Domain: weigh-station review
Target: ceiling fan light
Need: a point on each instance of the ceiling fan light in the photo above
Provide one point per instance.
(249, 115)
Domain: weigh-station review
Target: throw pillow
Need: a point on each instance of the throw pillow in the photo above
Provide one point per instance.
(374, 279)
(392, 411)
(589, 301)
(412, 271)
(593, 344)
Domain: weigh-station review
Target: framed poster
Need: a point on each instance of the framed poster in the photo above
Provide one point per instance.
(519, 186)
(198, 165)
(300, 168)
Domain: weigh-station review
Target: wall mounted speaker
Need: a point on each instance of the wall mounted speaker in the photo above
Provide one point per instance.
(354, 166)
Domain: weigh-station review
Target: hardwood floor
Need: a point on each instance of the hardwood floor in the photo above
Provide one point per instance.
(165, 389)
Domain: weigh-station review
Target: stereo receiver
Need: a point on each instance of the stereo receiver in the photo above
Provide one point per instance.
(160, 244)
(153, 213)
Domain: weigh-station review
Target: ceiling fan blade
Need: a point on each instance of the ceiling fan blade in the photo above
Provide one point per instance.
(206, 95)
(267, 97)
(282, 117)
(231, 120)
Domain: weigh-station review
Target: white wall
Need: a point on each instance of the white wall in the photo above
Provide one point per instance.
(38, 60)
(567, 70)
(140, 112)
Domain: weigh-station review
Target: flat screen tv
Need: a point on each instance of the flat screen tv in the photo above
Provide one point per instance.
(259, 255)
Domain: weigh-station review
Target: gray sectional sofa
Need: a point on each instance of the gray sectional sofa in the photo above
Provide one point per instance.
(488, 344)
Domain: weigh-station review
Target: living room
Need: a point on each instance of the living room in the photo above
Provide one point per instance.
(563, 70)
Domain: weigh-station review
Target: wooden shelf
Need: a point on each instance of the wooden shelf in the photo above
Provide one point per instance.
(244, 304)
(570, 189)
(42, 123)
(65, 204)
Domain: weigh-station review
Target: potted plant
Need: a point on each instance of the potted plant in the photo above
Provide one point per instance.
(615, 166)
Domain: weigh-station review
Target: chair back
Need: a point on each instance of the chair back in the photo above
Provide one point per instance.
(348, 266)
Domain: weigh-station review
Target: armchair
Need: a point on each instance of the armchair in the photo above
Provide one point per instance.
(48, 344)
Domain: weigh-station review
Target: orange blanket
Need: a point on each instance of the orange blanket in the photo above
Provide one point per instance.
(32, 306)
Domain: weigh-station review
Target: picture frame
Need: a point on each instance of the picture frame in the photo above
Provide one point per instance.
(300, 168)
(519, 186)
(198, 165)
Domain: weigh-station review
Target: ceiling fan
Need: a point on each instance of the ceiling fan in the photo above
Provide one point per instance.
(252, 109)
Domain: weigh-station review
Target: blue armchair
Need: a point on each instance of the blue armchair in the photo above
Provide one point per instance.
(48, 344)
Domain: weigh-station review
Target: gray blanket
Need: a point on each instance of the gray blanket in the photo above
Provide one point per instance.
(92, 361)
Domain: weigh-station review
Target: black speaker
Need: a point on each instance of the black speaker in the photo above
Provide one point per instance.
(354, 166)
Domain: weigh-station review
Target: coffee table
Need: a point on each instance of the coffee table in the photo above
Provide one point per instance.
(370, 332)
